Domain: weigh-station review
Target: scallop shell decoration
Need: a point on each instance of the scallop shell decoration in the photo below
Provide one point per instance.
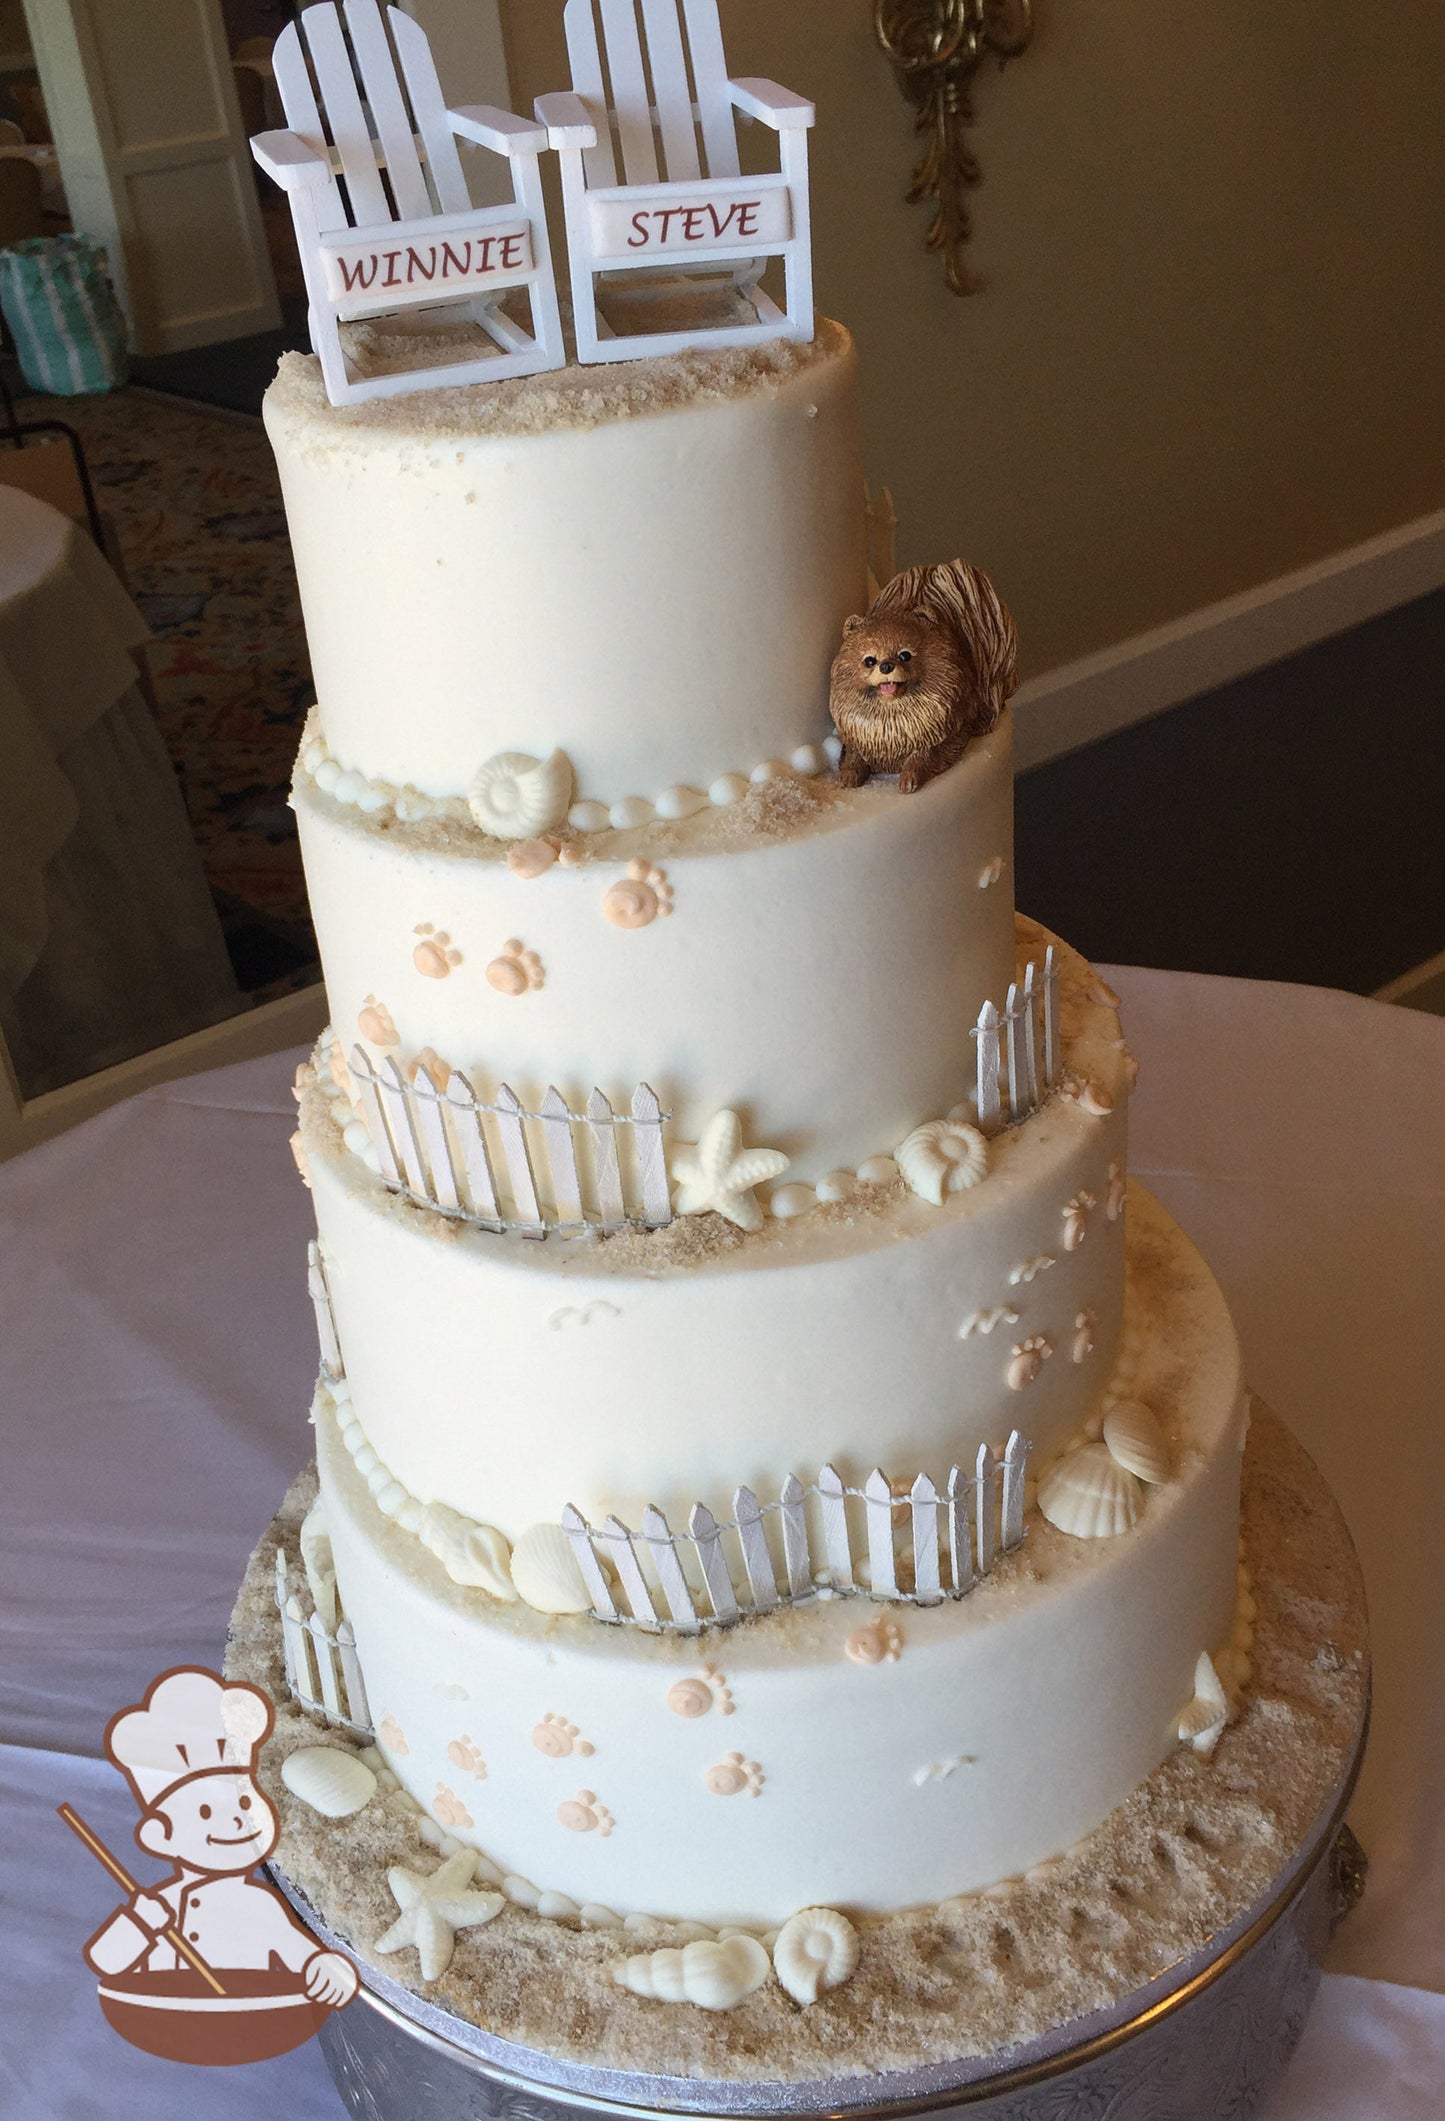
(945, 1156)
(1203, 1718)
(815, 1950)
(1135, 1441)
(545, 1571)
(714, 1976)
(1088, 1495)
(516, 797)
(333, 1783)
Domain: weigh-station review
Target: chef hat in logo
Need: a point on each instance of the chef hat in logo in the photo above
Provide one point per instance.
(189, 1722)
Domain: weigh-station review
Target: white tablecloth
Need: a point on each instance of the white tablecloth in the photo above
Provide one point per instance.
(156, 1356)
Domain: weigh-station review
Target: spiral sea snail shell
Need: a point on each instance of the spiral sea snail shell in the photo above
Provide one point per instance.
(515, 797)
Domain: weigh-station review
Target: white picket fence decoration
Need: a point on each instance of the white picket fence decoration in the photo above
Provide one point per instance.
(714, 1575)
(323, 1671)
(320, 1292)
(1018, 1047)
(523, 1172)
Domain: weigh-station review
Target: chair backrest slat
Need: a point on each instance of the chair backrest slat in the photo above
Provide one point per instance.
(630, 99)
(673, 96)
(584, 56)
(419, 68)
(293, 83)
(710, 77)
(388, 111)
(349, 129)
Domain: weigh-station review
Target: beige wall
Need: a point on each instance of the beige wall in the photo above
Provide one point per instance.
(1210, 346)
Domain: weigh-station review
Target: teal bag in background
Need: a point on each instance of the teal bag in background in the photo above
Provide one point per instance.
(67, 326)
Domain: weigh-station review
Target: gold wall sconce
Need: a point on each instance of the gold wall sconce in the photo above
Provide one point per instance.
(936, 47)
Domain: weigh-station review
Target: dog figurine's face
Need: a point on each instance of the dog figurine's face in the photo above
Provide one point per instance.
(887, 656)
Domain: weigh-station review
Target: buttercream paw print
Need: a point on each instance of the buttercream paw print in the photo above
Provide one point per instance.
(638, 899)
(428, 1058)
(558, 1738)
(448, 1809)
(1027, 1358)
(734, 1776)
(374, 1022)
(516, 970)
(880, 1641)
(391, 1734)
(434, 955)
(1076, 1220)
(586, 1814)
(694, 1697)
(464, 1753)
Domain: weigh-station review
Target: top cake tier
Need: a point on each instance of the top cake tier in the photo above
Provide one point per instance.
(646, 567)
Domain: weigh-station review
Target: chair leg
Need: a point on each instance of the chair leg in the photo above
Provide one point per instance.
(326, 342)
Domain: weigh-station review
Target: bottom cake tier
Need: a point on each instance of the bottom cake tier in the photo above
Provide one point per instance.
(1171, 1873)
(846, 1751)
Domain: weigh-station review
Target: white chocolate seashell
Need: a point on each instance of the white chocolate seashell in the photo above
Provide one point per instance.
(332, 1782)
(1203, 1718)
(714, 1976)
(514, 796)
(589, 817)
(680, 801)
(945, 1156)
(770, 770)
(727, 788)
(557, 1907)
(1088, 1496)
(817, 1949)
(877, 1171)
(473, 1554)
(789, 1201)
(317, 1562)
(545, 1571)
(594, 1916)
(809, 759)
(1136, 1441)
(631, 811)
(520, 1891)
(836, 1185)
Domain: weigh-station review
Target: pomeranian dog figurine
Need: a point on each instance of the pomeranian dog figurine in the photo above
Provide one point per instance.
(924, 671)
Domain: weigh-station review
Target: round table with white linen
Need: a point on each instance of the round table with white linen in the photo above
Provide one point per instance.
(109, 939)
(156, 1358)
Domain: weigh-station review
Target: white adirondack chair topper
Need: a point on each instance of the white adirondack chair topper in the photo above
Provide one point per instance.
(414, 241)
(683, 204)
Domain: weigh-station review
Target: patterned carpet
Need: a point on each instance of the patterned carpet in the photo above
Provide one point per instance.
(195, 505)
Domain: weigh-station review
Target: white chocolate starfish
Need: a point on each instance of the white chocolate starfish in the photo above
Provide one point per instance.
(434, 1908)
(718, 1172)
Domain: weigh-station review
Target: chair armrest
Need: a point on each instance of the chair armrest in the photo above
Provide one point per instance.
(289, 162)
(777, 107)
(501, 130)
(568, 121)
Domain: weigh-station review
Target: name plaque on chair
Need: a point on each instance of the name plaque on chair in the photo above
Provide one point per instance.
(415, 266)
(708, 220)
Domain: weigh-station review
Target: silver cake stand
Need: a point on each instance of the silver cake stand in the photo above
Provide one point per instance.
(1205, 2041)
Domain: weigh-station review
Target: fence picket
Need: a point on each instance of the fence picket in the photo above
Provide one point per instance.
(651, 1161)
(325, 1666)
(1011, 1028)
(878, 1500)
(987, 1034)
(923, 1502)
(1051, 1018)
(960, 1544)
(401, 1119)
(707, 1541)
(795, 1538)
(556, 1123)
(574, 1524)
(754, 1542)
(1011, 1508)
(985, 1519)
(610, 1207)
(471, 1132)
(320, 1293)
(634, 1583)
(675, 1590)
(373, 1112)
(1030, 1031)
(427, 1104)
(283, 1606)
(511, 1125)
(836, 1543)
(351, 1677)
